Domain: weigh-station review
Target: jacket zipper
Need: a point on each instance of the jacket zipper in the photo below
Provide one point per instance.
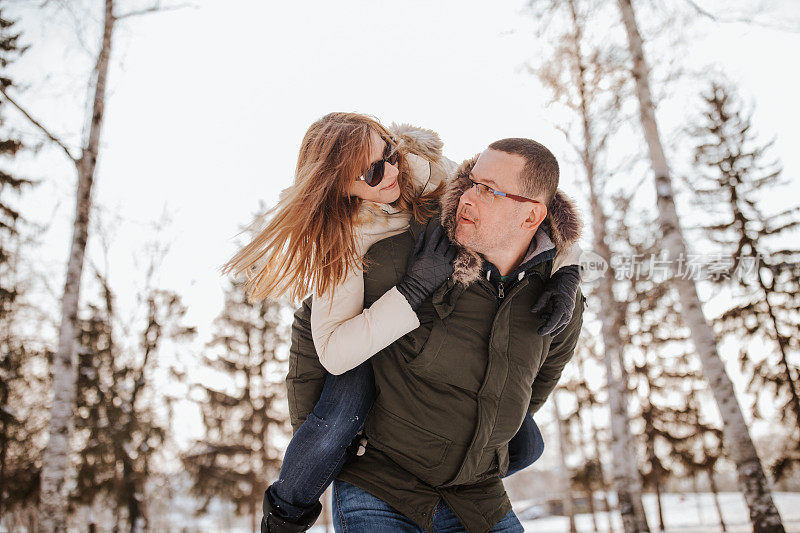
(501, 291)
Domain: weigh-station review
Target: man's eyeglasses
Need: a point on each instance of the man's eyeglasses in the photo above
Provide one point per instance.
(486, 194)
(374, 174)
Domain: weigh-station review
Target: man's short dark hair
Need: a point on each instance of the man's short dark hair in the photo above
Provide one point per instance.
(539, 176)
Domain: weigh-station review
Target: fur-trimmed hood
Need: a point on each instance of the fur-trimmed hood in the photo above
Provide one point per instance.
(563, 223)
(419, 141)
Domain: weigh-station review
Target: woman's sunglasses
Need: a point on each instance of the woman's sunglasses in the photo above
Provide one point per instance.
(374, 174)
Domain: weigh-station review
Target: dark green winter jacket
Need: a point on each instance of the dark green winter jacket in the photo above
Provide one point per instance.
(453, 392)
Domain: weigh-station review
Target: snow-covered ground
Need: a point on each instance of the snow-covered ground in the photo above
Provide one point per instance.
(684, 514)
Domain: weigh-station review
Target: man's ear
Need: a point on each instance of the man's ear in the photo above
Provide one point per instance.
(536, 216)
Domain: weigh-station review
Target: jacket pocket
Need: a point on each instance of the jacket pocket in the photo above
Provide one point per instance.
(416, 449)
(430, 349)
(493, 462)
(455, 355)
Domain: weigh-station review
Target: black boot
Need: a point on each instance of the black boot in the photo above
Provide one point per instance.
(272, 523)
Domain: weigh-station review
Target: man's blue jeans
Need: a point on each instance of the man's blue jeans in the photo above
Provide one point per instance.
(358, 511)
(318, 450)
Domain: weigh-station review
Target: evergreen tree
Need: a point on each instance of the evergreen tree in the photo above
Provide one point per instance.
(590, 353)
(763, 266)
(10, 144)
(20, 385)
(652, 326)
(118, 425)
(700, 450)
(589, 475)
(239, 453)
(666, 375)
(752, 479)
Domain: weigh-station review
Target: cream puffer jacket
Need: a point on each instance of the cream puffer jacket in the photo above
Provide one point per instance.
(345, 334)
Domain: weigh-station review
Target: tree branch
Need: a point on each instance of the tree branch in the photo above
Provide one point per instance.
(743, 20)
(153, 9)
(39, 125)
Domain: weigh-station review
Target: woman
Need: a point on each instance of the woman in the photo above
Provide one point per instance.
(356, 183)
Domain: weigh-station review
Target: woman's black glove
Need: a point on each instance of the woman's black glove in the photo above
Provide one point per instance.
(558, 300)
(430, 265)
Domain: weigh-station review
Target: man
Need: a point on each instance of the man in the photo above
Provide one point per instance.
(453, 392)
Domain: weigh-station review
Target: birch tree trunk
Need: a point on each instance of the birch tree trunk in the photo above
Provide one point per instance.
(752, 480)
(603, 485)
(593, 431)
(55, 460)
(582, 446)
(569, 503)
(625, 475)
(626, 480)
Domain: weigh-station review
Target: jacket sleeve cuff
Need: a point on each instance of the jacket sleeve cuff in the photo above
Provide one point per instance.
(406, 317)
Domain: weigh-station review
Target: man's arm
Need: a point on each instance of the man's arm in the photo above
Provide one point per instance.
(561, 350)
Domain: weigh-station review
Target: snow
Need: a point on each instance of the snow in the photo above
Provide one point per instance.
(682, 514)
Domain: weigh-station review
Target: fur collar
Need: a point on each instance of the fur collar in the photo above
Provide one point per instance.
(563, 223)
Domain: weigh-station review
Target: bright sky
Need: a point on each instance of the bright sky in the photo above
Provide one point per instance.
(208, 105)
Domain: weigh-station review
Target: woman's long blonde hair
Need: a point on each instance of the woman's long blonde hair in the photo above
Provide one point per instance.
(308, 242)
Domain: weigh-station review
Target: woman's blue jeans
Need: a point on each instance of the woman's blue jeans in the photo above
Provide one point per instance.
(318, 449)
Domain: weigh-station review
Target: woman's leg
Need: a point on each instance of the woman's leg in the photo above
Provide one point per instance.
(525, 447)
(317, 451)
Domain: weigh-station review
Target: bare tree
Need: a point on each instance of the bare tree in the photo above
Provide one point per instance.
(53, 510)
(584, 77)
(750, 17)
(763, 513)
(567, 497)
(54, 498)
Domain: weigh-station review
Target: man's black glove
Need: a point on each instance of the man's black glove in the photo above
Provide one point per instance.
(430, 265)
(558, 300)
